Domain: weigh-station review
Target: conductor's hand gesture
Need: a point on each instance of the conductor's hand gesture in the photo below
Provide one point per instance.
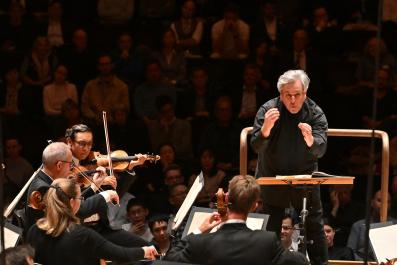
(306, 130)
(271, 116)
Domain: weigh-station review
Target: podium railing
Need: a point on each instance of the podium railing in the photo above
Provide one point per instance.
(340, 133)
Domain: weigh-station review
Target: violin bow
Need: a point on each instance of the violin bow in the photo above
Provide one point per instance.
(105, 126)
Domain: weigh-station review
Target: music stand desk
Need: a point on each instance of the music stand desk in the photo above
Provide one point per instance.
(305, 181)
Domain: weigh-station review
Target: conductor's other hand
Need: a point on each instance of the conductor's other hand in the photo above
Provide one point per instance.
(271, 116)
(150, 252)
(210, 222)
(306, 130)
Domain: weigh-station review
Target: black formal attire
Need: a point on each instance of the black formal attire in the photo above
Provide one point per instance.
(340, 253)
(285, 152)
(234, 243)
(77, 245)
(93, 203)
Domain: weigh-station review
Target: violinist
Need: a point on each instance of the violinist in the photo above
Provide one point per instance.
(57, 163)
(59, 238)
(234, 242)
(80, 139)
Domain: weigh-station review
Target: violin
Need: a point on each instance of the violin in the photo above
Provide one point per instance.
(120, 159)
(221, 204)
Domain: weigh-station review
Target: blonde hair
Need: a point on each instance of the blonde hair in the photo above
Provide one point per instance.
(243, 193)
(59, 215)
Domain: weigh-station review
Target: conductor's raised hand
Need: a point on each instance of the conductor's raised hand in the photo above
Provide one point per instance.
(150, 252)
(306, 130)
(271, 116)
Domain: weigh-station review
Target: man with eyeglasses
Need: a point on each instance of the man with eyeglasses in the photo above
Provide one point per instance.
(286, 233)
(289, 135)
(57, 163)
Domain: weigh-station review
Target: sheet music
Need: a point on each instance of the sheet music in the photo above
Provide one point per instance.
(188, 202)
(11, 237)
(294, 177)
(382, 241)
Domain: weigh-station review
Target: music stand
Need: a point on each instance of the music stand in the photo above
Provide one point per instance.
(305, 182)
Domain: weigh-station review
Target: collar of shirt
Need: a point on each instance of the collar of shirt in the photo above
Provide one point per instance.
(235, 221)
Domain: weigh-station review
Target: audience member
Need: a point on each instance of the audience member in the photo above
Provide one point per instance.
(342, 211)
(18, 169)
(56, 28)
(230, 36)
(36, 71)
(213, 178)
(177, 196)
(335, 252)
(104, 92)
(137, 214)
(10, 92)
(170, 129)
(356, 240)
(146, 94)
(270, 28)
(223, 136)
(286, 233)
(56, 93)
(128, 63)
(188, 29)
(79, 58)
(158, 225)
(172, 61)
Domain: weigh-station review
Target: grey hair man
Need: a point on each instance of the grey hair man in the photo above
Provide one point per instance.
(290, 134)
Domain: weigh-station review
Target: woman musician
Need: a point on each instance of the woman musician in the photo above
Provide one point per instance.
(59, 238)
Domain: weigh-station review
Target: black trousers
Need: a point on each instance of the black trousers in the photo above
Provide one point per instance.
(317, 249)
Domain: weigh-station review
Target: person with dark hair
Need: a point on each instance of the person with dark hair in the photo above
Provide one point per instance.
(59, 238)
(234, 243)
(286, 233)
(169, 128)
(158, 225)
(137, 214)
(104, 92)
(335, 252)
(213, 178)
(230, 36)
(146, 94)
(289, 135)
(19, 255)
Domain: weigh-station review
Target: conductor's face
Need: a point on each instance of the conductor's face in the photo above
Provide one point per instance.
(292, 95)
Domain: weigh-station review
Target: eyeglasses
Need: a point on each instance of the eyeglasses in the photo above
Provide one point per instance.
(286, 227)
(71, 163)
(81, 198)
(83, 144)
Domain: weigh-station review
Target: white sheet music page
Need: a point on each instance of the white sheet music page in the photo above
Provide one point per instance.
(382, 241)
(188, 202)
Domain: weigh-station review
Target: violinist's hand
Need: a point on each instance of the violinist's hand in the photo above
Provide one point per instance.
(210, 222)
(110, 180)
(141, 159)
(112, 196)
(150, 252)
(98, 178)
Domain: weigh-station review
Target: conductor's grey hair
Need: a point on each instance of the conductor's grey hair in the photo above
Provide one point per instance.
(291, 76)
(55, 152)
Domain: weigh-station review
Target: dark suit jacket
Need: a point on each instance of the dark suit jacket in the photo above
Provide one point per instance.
(93, 204)
(233, 244)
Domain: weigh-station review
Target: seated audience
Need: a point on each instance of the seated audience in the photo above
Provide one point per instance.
(286, 233)
(335, 252)
(158, 225)
(188, 29)
(137, 214)
(230, 36)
